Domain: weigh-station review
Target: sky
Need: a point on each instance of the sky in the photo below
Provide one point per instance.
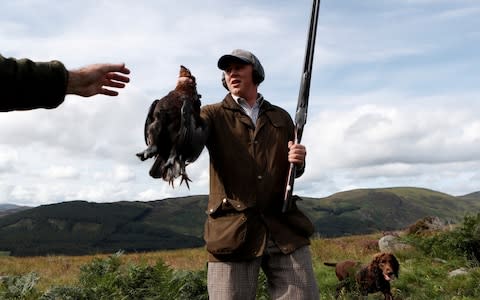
(394, 97)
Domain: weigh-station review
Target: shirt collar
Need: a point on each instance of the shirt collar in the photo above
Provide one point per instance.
(242, 102)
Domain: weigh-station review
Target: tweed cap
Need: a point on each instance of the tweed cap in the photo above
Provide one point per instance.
(242, 56)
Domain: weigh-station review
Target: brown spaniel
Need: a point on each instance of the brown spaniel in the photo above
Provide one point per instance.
(371, 278)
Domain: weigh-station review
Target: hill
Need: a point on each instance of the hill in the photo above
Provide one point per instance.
(369, 210)
(472, 196)
(7, 206)
(6, 209)
(81, 227)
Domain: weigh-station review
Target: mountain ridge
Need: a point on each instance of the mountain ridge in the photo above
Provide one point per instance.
(81, 227)
(8, 208)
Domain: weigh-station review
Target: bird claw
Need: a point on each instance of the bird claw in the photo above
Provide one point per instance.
(174, 168)
(185, 179)
(151, 151)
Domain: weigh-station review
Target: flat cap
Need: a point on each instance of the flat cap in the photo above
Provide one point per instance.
(242, 56)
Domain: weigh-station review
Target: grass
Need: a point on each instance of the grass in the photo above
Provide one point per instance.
(421, 276)
(64, 270)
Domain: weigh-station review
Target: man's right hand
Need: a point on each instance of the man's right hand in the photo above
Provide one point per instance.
(94, 79)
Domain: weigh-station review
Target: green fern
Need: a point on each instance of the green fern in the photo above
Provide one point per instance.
(19, 287)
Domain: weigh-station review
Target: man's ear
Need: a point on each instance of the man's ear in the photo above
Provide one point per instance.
(224, 82)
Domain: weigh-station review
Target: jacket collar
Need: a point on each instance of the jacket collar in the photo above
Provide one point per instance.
(266, 108)
(230, 103)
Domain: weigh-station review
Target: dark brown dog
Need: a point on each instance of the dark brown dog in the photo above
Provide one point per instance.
(372, 278)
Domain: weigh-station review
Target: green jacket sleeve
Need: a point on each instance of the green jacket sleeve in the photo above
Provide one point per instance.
(25, 84)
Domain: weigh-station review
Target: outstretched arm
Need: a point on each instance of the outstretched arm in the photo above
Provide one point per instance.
(25, 84)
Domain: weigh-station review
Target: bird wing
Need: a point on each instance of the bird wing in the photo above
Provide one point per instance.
(149, 120)
(192, 135)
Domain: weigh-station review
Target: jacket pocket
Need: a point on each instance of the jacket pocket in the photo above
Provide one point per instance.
(226, 234)
(232, 231)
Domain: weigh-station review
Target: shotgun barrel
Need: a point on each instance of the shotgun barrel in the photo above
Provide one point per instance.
(302, 104)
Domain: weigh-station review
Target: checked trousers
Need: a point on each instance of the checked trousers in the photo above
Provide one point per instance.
(289, 277)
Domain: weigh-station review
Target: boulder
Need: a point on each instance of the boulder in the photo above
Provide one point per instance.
(458, 272)
(391, 243)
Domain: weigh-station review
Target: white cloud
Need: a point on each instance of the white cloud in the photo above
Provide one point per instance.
(62, 172)
(22, 193)
(370, 135)
(150, 194)
(393, 145)
(8, 157)
(123, 174)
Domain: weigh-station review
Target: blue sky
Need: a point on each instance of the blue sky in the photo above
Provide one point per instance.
(394, 98)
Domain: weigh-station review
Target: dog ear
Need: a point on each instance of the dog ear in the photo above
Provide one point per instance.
(396, 265)
(377, 258)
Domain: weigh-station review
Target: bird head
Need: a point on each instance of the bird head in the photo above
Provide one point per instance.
(184, 72)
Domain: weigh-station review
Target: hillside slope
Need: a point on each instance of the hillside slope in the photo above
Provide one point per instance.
(7, 209)
(81, 227)
(370, 210)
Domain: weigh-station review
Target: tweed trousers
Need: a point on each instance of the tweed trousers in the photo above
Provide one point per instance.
(289, 277)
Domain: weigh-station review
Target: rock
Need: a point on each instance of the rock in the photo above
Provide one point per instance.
(391, 243)
(458, 272)
(426, 224)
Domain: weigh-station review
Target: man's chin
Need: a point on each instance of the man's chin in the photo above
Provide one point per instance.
(235, 91)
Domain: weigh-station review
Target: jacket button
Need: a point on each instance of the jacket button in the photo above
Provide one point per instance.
(224, 200)
(259, 177)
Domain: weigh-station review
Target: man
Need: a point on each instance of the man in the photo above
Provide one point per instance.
(25, 84)
(250, 148)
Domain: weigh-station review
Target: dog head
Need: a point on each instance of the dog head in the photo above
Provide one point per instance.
(388, 264)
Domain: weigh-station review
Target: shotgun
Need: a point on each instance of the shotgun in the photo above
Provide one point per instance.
(302, 104)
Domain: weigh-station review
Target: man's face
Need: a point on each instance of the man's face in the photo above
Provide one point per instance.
(239, 79)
